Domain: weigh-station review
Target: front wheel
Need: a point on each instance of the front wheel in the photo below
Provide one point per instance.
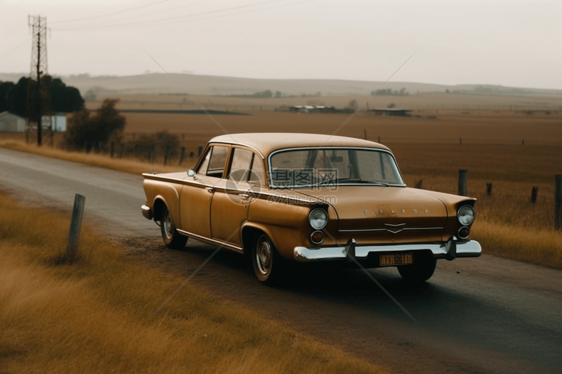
(171, 237)
(269, 266)
(419, 271)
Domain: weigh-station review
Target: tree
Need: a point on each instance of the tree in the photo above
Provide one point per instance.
(278, 94)
(17, 98)
(63, 98)
(5, 88)
(85, 129)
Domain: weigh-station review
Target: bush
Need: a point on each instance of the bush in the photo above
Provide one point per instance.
(85, 130)
(160, 141)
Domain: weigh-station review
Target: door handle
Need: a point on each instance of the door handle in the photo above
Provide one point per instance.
(210, 189)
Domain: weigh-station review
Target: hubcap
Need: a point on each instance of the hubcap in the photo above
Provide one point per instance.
(264, 256)
(168, 225)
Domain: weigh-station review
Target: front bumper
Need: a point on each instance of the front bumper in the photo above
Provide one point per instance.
(448, 250)
(146, 212)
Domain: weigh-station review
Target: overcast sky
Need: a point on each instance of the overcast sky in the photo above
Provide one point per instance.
(510, 43)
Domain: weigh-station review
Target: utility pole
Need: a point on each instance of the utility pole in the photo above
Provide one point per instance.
(38, 97)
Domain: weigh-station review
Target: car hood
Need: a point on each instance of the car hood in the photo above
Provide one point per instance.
(391, 209)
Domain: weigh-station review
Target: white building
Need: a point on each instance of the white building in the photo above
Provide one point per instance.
(58, 121)
(11, 123)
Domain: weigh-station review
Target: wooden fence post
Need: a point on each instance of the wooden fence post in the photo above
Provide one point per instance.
(463, 190)
(489, 189)
(166, 155)
(75, 227)
(111, 150)
(122, 153)
(182, 154)
(534, 193)
(557, 202)
(199, 151)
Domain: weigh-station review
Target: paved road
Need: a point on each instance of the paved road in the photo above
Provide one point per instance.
(475, 315)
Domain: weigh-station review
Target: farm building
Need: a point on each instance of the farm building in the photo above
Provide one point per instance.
(311, 108)
(13, 123)
(392, 112)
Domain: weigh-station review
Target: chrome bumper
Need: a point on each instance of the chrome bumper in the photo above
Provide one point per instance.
(448, 250)
(146, 212)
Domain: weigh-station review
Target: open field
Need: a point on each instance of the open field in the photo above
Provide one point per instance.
(427, 149)
(431, 103)
(95, 315)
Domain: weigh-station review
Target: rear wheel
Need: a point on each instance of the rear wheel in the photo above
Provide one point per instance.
(269, 266)
(419, 271)
(171, 237)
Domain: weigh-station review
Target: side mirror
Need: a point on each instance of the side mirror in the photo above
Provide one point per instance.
(191, 173)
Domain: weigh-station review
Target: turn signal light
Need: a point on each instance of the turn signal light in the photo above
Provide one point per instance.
(317, 237)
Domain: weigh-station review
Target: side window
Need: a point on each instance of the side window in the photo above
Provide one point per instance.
(240, 166)
(257, 174)
(205, 164)
(217, 161)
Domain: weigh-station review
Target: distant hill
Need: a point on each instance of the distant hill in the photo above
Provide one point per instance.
(215, 85)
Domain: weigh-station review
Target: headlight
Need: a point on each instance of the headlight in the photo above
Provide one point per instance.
(318, 218)
(465, 215)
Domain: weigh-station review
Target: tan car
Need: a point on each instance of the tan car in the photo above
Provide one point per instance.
(283, 197)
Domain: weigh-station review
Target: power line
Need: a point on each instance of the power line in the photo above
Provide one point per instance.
(161, 20)
(15, 48)
(113, 13)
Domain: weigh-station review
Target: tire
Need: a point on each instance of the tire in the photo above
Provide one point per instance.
(171, 237)
(418, 272)
(269, 266)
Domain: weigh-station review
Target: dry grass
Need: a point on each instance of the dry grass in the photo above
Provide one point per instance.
(101, 160)
(94, 316)
(530, 244)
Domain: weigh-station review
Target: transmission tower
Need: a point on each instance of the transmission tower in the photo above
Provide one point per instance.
(38, 93)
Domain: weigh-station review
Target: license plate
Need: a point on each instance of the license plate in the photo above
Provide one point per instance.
(397, 259)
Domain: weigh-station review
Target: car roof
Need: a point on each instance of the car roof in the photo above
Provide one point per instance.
(268, 142)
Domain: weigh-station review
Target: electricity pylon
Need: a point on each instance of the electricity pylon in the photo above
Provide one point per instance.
(38, 93)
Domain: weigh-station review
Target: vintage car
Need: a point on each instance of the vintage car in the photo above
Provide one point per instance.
(282, 197)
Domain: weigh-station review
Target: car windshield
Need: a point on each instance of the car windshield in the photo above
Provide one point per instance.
(333, 166)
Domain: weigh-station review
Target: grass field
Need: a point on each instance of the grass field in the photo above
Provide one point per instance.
(95, 315)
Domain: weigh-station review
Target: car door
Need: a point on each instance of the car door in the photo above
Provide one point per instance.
(198, 192)
(233, 195)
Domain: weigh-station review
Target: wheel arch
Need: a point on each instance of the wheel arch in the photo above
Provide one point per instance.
(159, 205)
(249, 235)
